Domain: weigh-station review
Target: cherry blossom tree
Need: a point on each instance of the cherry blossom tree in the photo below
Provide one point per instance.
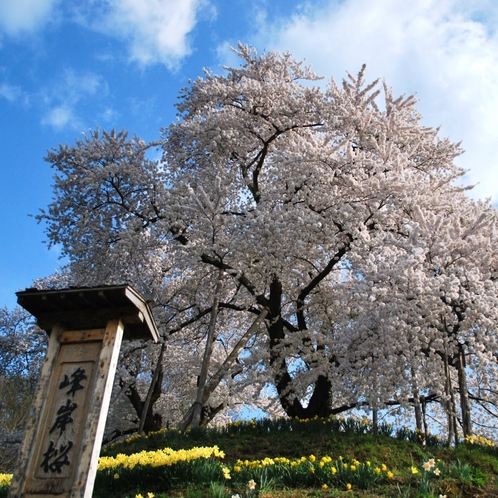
(425, 316)
(327, 221)
(22, 350)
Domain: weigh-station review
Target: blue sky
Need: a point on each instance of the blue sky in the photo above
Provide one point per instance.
(70, 66)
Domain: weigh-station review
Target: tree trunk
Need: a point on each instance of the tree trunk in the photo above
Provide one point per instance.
(198, 405)
(152, 422)
(320, 401)
(418, 413)
(424, 416)
(214, 381)
(158, 374)
(416, 404)
(450, 404)
(464, 394)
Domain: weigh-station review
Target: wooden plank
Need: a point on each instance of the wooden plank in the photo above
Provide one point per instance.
(55, 460)
(97, 415)
(82, 335)
(29, 442)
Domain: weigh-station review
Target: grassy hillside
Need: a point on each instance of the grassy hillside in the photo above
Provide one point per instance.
(291, 458)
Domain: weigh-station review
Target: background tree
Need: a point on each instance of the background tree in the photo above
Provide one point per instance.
(22, 350)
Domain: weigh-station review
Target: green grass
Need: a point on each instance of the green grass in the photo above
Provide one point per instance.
(288, 458)
(467, 470)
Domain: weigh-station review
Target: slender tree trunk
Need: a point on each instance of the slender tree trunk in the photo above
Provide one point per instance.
(214, 381)
(464, 394)
(152, 422)
(152, 388)
(196, 417)
(418, 413)
(375, 420)
(450, 404)
(447, 388)
(424, 417)
(416, 404)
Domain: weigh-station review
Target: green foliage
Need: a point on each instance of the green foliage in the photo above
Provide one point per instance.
(467, 473)
(286, 457)
(332, 456)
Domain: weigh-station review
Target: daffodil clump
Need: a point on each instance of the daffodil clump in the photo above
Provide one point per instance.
(479, 440)
(431, 469)
(158, 458)
(166, 468)
(203, 465)
(311, 471)
(5, 479)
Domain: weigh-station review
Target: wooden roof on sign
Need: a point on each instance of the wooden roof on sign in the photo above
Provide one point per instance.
(86, 308)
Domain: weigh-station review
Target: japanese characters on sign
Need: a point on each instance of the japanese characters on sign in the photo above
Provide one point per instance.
(58, 453)
(65, 417)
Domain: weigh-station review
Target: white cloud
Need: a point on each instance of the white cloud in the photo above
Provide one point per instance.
(445, 51)
(156, 30)
(62, 100)
(9, 92)
(20, 16)
(59, 116)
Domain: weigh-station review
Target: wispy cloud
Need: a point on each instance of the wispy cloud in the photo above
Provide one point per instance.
(446, 52)
(21, 16)
(11, 93)
(60, 116)
(61, 102)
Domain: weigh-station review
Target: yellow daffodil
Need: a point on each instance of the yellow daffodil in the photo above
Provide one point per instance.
(5, 479)
(164, 457)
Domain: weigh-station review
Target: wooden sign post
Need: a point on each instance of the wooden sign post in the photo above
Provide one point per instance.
(61, 447)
